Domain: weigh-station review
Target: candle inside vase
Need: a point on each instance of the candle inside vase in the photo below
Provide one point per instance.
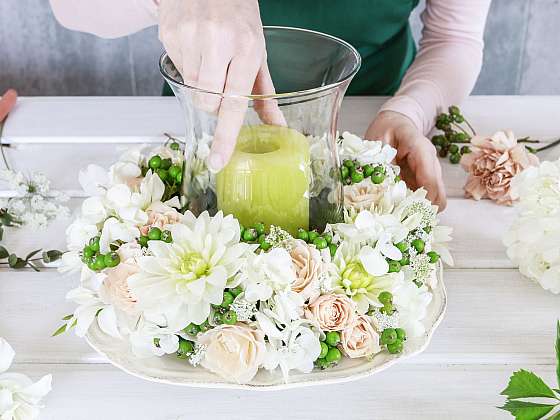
(267, 178)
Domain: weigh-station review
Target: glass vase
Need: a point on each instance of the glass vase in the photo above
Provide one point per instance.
(284, 170)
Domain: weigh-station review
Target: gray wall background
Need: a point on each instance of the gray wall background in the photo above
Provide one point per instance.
(39, 57)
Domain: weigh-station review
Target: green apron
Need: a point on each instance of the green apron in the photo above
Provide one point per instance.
(378, 29)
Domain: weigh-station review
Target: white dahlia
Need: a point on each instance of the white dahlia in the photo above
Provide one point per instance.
(180, 280)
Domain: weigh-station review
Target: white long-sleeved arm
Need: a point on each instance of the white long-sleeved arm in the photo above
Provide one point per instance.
(448, 61)
(105, 18)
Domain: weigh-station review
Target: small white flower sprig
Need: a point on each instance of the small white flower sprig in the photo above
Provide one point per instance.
(533, 240)
(234, 299)
(20, 396)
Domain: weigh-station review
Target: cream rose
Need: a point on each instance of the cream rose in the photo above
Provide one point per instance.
(333, 312)
(115, 286)
(233, 352)
(159, 220)
(308, 264)
(363, 195)
(361, 339)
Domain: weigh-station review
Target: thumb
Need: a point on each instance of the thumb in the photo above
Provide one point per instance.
(7, 103)
(268, 110)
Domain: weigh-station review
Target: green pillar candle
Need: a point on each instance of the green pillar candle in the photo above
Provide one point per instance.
(267, 179)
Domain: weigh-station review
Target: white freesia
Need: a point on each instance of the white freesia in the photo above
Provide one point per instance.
(149, 339)
(266, 273)
(115, 230)
(411, 303)
(353, 147)
(182, 279)
(20, 397)
(127, 169)
(94, 180)
(79, 233)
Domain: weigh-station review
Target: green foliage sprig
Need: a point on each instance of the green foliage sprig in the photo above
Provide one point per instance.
(524, 385)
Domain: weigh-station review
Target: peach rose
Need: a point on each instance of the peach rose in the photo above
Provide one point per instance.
(333, 312)
(233, 352)
(159, 220)
(360, 340)
(115, 286)
(308, 264)
(492, 164)
(363, 195)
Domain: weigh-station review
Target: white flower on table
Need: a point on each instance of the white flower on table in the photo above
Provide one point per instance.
(20, 397)
(412, 303)
(365, 152)
(184, 278)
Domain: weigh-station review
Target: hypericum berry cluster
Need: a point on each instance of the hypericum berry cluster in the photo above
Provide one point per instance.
(330, 354)
(255, 235)
(97, 261)
(155, 234)
(391, 337)
(352, 172)
(169, 173)
(454, 134)
(320, 241)
(417, 246)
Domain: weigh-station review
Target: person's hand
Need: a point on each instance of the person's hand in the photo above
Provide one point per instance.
(416, 155)
(7, 102)
(219, 46)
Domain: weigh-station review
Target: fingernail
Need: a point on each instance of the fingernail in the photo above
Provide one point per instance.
(215, 163)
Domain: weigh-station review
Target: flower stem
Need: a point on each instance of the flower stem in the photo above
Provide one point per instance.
(471, 127)
(2, 145)
(549, 145)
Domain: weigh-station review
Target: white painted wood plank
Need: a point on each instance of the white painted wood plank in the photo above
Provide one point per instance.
(438, 392)
(493, 316)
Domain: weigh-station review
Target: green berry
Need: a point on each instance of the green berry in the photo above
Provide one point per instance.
(324, 350)
(99, 262)
(143, 241)
(205, 326)
(179, 177)
(349, 164)
(461, 137)
(368, 170)
(91, 264)
(94, 244)
(357, 177)
(265, 246)
(443, 152)
(434, 256)
(320, 242)
(333, 355)
(385, 298)
(455, 158)
(229, 318)
(217, 318)
(166, 236)
(322, 363)
(454, 110)
(174, 171)
(453, 149)
(387, 309)
(227, 300)
(396, 347)
(191, 329)
(344, 172)
(404, 260)
(465, 150)
(459, 118)
(259, 227)
(438, 140)
(166, 163)
(328, 237)
(154, 162)
(88, 252)
(332, 338)
(401, 334)
(394, 267)
(312, 235)
(388, 336)
(379, 169)
(154, 234)
(418, 244)
(174, 146)
(111, 259)
(377, 177)
(402, 246)
(332, 249)
(185, 347)
(249, 235)
(163, 174)
(302, 234)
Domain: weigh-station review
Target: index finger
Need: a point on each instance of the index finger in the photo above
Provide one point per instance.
(7, 103)
(240, 79)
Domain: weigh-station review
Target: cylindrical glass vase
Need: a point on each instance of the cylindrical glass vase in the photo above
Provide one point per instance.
(284, 170)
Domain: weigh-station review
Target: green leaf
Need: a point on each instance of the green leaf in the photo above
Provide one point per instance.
(32, 254)
(558, 351)
(524, 384)
(3, 253)
(1, 232)
(60, 330)
(523, 410)
(52, 255)
(12, 260)
(67, 317)
(33, 266)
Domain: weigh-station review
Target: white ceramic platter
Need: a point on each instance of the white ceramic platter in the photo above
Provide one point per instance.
(170, 370)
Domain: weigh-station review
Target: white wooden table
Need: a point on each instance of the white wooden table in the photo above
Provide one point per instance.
(496, 320)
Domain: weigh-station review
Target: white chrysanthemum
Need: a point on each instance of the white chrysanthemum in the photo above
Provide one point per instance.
(182, 279)
(412, 302)
(362, 273)
(149, 339)
(365, 152)
(20, 397)
(267, 273)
